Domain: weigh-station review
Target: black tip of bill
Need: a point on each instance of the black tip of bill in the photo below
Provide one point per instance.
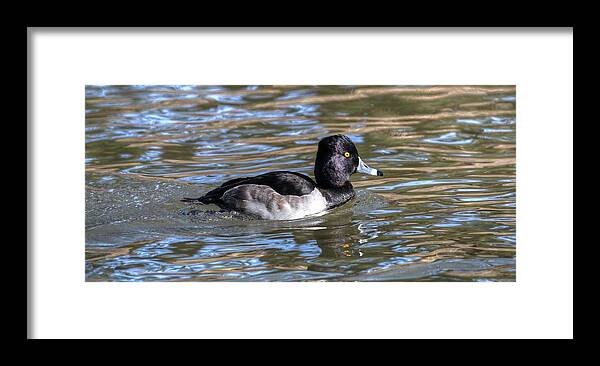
(379, 173)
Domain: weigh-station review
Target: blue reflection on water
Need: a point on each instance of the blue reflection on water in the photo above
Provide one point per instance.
(421, 183)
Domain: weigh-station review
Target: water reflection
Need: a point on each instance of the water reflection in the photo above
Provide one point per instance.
(445, 211)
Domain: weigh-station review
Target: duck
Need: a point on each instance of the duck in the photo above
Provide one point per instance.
(286, 195)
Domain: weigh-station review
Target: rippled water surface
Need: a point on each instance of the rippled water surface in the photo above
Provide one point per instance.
(444, 211)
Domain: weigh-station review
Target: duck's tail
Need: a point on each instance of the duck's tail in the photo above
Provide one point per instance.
(203, 200)
(213, 196)
(195, 200)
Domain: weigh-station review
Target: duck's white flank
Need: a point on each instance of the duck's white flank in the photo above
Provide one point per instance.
(266, 203)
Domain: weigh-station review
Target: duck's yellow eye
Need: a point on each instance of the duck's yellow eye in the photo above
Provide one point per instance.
(347, 154)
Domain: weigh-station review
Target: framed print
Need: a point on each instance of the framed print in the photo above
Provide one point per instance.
(206, 183)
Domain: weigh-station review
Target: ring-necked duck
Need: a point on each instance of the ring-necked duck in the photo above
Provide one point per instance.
(286, 195)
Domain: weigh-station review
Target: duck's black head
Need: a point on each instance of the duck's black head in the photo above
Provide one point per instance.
(337, 159)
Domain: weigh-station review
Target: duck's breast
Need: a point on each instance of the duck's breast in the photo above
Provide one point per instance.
(266, 203)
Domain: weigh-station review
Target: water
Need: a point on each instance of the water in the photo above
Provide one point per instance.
(443, 211)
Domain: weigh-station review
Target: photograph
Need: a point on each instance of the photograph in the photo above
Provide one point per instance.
(280, 183)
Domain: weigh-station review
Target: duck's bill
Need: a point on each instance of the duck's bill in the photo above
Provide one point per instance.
(365, 169)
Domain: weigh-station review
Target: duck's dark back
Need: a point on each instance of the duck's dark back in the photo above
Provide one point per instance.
(282, 182)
